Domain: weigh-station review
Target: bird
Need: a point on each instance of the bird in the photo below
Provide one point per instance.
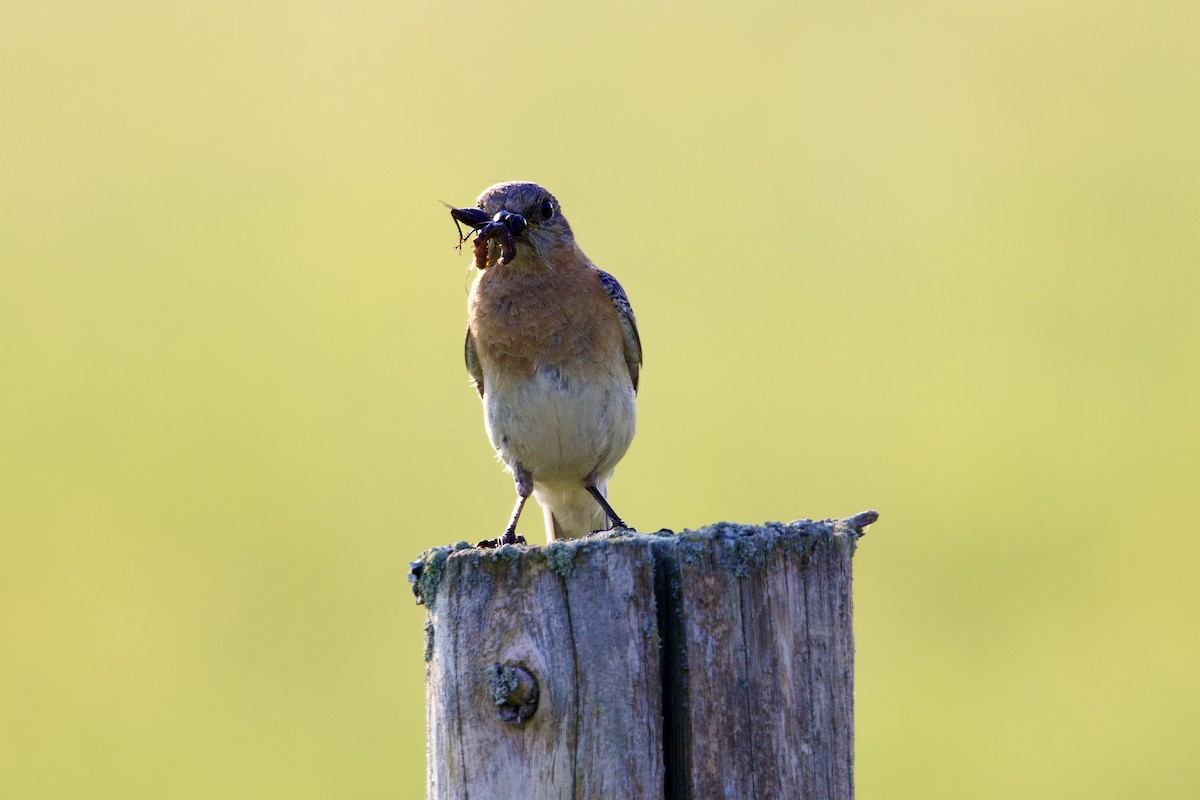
(553, 349)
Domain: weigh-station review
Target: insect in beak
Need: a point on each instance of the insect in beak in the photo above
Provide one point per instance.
(504, 226)
(473, 218)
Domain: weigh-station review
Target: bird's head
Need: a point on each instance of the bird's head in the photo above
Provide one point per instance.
(516, 223)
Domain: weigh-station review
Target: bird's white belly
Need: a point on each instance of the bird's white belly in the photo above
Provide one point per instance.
(561, 429)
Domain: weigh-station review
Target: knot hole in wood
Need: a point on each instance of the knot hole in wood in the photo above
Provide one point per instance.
(515, 691)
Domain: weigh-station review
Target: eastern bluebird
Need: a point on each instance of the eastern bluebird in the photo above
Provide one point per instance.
(553, 350)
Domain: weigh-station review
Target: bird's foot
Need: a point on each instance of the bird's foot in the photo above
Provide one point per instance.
(621, 528)
(509, 537)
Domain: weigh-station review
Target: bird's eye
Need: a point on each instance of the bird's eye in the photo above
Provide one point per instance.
(546, 209)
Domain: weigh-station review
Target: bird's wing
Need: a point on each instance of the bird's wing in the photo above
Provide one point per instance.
(633, 343)
(473, 366)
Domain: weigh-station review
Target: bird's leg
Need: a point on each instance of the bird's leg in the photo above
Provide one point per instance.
(510, 533)
(617, 522)
(524, 482)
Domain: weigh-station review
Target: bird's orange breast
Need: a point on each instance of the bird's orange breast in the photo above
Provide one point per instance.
(525, 319)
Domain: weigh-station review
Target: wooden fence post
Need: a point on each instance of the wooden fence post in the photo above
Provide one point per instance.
(716, 663)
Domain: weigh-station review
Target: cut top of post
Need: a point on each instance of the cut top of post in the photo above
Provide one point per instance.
(739, 542)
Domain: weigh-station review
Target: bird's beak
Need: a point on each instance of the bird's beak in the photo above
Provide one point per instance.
(515, 223)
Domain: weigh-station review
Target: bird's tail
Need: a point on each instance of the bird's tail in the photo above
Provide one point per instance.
(571, 513)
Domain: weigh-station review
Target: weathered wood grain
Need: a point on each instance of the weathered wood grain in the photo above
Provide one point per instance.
(580, 620)
(769, 661)
(716, 663)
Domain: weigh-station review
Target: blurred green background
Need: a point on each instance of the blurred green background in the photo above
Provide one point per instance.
(934, 258)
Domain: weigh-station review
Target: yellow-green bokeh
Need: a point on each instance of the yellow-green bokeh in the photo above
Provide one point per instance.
(935, 258)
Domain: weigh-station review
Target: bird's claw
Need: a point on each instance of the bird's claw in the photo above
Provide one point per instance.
(615, 529)
(509, 537)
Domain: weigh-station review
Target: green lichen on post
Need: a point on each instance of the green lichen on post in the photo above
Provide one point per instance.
(692, 546)
(560, 557)
(509, 553)
(502, 680)
(745, 549)
(426, 574)
(810, 533)
(428, 641)
(431, 576)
